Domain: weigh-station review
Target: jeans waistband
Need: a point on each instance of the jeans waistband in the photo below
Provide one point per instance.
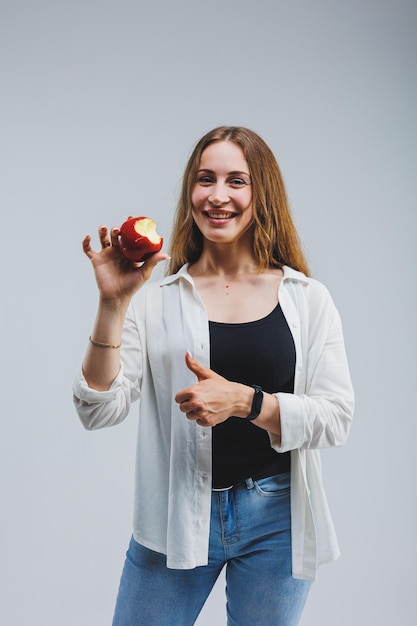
(247, 482)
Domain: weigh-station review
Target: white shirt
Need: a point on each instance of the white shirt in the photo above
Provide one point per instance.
(173, 462)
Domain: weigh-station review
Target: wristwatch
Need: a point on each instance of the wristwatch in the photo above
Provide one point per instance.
(258, 397)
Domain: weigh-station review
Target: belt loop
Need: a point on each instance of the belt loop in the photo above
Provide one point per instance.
(249, 483)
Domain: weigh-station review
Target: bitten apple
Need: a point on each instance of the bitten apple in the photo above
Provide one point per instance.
(138, 238)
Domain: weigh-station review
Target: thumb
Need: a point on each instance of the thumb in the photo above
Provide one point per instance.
(151, 262)
(199, 370)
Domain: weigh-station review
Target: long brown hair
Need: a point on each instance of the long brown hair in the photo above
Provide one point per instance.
(275, 238)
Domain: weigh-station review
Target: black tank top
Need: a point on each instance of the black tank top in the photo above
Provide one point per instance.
(253, 353)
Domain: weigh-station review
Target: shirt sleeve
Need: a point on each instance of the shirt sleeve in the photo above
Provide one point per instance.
(100, 409)
(321, 416)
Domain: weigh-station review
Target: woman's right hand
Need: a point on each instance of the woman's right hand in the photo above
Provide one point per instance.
(117, 278)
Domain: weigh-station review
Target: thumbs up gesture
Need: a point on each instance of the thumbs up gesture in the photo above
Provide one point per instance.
(213, 399)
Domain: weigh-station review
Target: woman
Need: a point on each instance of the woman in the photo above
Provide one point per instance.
(239, 362)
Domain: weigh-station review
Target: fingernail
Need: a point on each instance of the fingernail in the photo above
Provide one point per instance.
(189, 354)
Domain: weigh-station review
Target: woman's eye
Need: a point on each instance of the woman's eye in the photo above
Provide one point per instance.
(238, 182)
(205, 180)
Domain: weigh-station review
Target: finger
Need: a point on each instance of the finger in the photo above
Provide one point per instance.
(181, 397)
(197, 417)
(103, 235)
(153, 259)
(203, 422)
(188, 403)
(114, 234)
(194, 366)
(88, 250)
(151, 262)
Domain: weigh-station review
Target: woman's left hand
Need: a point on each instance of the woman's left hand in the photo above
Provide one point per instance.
(213, 399)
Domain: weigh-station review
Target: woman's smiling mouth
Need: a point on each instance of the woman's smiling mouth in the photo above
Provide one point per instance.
(219, 215)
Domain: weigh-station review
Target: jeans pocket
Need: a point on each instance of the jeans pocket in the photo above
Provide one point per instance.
(274, 486)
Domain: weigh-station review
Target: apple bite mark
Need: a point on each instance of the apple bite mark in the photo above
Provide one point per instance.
(138, 238)
(145, 227)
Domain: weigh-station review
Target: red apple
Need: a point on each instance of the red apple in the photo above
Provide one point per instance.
(138, 238)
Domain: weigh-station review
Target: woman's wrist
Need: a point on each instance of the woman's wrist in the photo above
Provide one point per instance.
(269, 415)
(103, 344)
(108, 326)
(117, 306)
(244, 399)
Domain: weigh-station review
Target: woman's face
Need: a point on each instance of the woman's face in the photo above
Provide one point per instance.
(222, 194)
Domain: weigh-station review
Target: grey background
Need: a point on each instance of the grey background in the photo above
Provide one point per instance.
(101, 104)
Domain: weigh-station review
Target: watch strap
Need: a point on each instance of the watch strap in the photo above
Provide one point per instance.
(258, 397)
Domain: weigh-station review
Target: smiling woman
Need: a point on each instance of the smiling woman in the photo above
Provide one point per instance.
(275, 239)
(222, 195)
(238, 359)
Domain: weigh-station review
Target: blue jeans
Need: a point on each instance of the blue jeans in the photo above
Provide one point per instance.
(250, 534)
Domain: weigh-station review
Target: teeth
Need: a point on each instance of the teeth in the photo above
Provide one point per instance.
(220, 216)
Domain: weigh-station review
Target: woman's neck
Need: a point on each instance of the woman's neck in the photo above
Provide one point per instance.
(227, 263)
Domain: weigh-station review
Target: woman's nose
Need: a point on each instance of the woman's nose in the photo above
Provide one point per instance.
(218, 196)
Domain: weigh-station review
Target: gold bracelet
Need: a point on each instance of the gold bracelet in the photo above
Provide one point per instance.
(99, 344)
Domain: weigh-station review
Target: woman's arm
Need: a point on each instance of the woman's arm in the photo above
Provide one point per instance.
(320, 414)
(213, 399)
(108, 382)
(100, 409)
(117, 280)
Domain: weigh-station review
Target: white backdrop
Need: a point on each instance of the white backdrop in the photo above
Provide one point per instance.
(101, 104)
